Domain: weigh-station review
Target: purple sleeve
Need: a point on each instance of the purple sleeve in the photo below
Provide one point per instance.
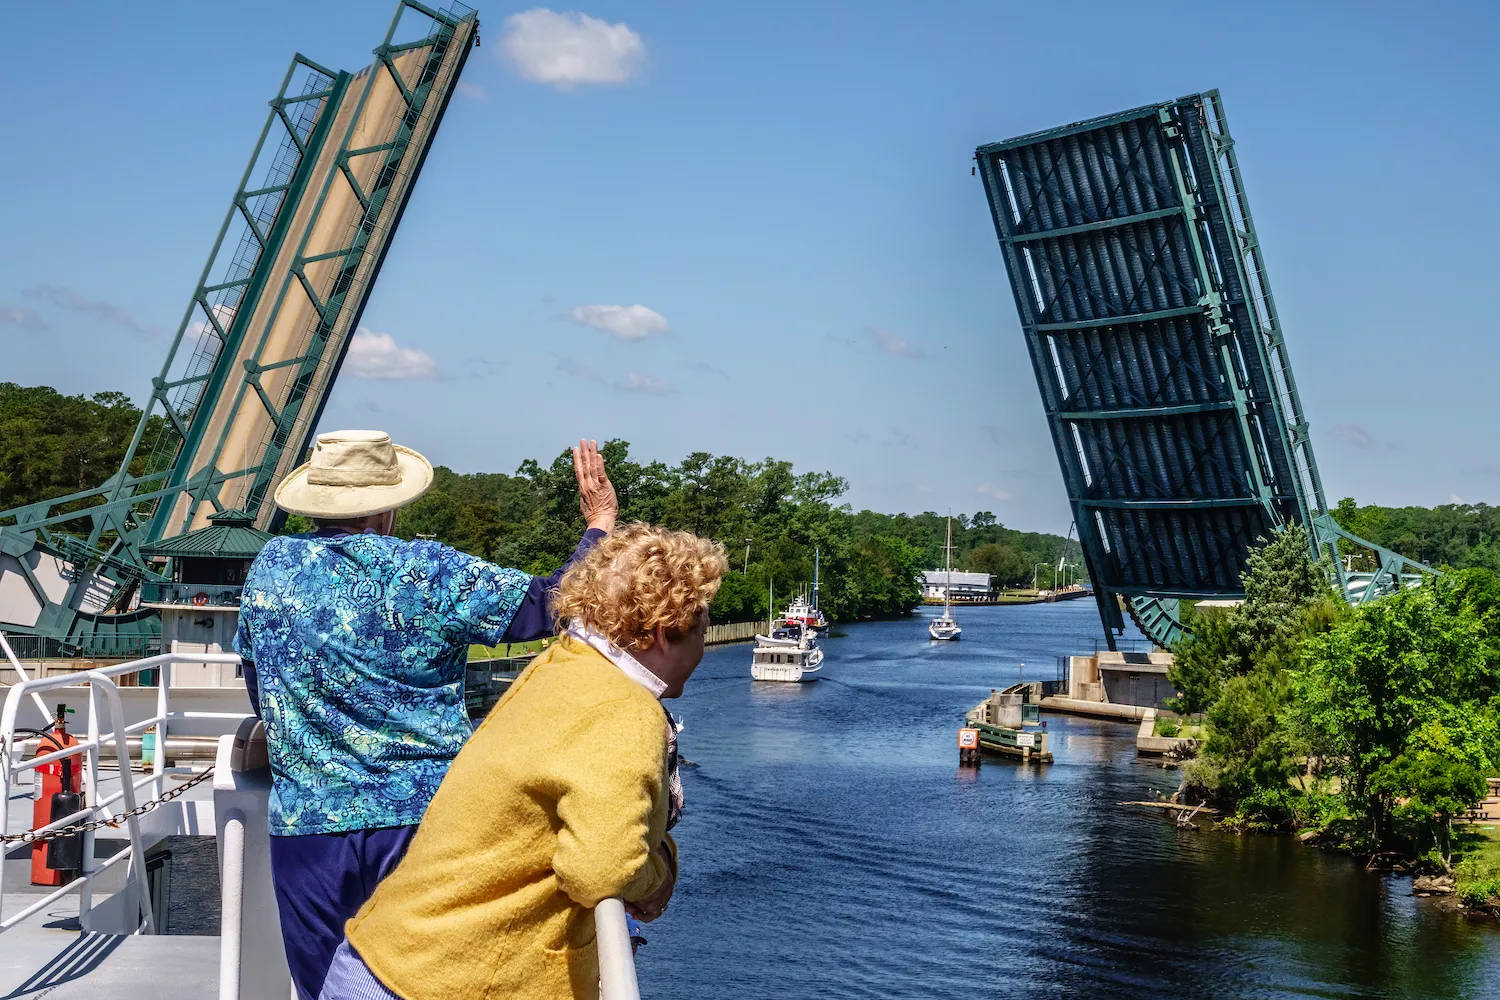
(533, 619)
(252, 684)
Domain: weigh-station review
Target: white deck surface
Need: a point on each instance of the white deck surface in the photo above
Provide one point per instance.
(48, 955)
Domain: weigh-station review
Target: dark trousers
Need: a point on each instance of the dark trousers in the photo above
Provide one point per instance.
(321, 880)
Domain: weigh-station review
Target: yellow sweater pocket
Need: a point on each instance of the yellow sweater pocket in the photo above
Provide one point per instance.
(573, 972)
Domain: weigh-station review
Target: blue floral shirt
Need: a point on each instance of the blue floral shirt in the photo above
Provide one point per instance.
(358, 646)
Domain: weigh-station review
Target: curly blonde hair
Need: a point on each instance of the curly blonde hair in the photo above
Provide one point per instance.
(639, 578)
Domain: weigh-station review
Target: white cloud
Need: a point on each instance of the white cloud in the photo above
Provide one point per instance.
(571, 48)
(378, 356)
(708, 368)
(626, 322)
(636, 382)
(198, 327)
(22, 318)
(890, 343)
(993, 492)
(1355, 434)
(473, 91)
(650, 385)
(1455, 498)
(67, 298)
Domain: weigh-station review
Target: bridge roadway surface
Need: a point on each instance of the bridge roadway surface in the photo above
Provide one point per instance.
(280, 329)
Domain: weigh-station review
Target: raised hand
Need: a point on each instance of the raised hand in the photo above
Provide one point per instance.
(596, 494)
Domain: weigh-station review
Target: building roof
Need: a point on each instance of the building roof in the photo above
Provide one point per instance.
(230, 535)
(939, 578)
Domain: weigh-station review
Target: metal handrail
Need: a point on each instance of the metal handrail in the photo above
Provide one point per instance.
(616, 960)
(101, 684)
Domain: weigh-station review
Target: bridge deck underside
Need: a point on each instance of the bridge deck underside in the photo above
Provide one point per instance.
(1161, 372)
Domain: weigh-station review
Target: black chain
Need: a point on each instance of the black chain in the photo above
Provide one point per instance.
(73, 829)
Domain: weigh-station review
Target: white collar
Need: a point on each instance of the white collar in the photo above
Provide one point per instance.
(629, 665)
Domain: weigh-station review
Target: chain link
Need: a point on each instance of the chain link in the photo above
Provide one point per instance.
(73, 829)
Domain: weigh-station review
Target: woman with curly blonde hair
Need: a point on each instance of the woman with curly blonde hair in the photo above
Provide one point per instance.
(562, 798)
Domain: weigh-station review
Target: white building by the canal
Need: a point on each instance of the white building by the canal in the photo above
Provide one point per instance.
(966, 586)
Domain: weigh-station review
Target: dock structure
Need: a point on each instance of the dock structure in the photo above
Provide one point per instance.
(1008, 724)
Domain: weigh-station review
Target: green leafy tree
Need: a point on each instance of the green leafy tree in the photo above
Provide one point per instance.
(1383, 673)
(1435, 779)
(1005, 564)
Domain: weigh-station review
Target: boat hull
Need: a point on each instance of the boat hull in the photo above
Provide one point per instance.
(785, 673)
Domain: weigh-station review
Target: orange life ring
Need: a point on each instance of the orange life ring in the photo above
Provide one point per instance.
(200, 598)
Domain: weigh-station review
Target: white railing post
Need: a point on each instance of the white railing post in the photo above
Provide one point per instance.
(91, 795)
(616, 962)
(21, 677)
(159, 752)
(127, 786)
(232, 902)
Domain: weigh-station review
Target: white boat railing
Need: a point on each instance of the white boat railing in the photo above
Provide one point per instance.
(106, 727)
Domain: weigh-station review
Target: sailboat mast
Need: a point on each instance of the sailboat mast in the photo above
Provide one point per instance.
(817, 554)
(948, 587)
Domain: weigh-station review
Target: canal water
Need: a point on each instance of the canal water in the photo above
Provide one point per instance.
(831, 847)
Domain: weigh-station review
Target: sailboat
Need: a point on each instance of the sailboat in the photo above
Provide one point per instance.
(945, 627)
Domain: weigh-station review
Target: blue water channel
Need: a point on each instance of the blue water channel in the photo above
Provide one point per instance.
(831, 847)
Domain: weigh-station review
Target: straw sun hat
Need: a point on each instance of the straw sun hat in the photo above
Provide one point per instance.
(353, 474)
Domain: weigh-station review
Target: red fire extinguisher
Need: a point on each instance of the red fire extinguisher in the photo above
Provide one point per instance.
(58, 792)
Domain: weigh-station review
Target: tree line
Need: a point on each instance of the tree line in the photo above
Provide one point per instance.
(1455, 535)
(771, 518)
(774, 522)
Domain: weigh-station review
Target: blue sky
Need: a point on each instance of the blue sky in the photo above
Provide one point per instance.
(786, 188)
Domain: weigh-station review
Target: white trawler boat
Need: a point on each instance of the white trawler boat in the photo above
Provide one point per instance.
(945, 627)
(789, 655)
(787, 659)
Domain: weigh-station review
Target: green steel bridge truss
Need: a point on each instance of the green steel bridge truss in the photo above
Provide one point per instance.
(1156, 345)
(261, 341)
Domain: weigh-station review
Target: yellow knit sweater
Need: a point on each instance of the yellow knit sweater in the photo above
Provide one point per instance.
(555, 804)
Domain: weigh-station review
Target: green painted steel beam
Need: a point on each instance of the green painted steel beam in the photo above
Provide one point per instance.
(1124, 320)
(1089, 227)
(1031, 138)
(1209, 503)
(1134, 412)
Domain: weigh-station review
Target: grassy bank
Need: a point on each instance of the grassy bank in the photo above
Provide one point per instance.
(1476, 876)
(506, 650)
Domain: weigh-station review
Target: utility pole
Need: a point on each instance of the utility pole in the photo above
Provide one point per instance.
(747, 557)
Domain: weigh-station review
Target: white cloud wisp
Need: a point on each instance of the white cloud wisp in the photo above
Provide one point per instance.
(895, 346)
(571, 49)
(377, 356)
(625, 322)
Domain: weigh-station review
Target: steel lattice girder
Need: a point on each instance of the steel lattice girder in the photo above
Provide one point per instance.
(266, 328)
(1156, 346)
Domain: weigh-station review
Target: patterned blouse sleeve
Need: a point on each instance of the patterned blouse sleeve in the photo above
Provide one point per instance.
(485, 597)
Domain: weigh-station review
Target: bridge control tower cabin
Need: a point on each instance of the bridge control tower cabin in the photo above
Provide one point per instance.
(200, 602)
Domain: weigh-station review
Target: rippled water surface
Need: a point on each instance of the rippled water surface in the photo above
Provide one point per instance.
(832, 848)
